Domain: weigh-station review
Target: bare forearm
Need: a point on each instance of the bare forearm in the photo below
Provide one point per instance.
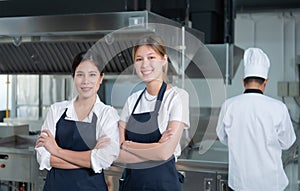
(81, 159)
(153, 151)
(127, 158)
(161, 150)
(60, 163)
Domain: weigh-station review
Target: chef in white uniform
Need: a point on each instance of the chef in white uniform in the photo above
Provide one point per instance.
(256, 129)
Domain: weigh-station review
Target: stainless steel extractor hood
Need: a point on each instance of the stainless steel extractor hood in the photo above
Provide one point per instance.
(47, 44)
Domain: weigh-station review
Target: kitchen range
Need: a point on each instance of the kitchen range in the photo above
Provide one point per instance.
(18, 165)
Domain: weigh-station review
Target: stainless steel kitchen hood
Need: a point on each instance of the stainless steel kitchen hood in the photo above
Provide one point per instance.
(80, 24)
(47, 44)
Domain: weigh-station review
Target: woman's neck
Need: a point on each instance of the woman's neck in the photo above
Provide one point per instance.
(84, 106)
(153, 87)
(85, 101)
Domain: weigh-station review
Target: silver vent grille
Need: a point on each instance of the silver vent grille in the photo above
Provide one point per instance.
(51, 58)
(39, 57)
(48, 44)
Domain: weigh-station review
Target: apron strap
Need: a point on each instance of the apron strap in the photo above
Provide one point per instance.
(64, 114)
(160, 96)
(158, 99)
(137, 102)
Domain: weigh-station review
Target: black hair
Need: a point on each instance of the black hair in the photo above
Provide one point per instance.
(82, 56)
(258, 80)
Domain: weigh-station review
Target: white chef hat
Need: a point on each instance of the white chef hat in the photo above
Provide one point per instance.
(256, 63)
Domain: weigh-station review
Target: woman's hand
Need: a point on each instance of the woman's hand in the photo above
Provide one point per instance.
(102, 142)
(47, 140)
(166, 135)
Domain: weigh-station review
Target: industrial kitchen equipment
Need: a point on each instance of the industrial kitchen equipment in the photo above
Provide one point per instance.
(18, 165)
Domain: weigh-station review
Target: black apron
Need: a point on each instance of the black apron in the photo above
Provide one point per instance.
(158, 176)
(75, 136)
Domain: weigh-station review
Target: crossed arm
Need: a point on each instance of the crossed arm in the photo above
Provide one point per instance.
(134, 152)
(67, 159)
(62, 158)
(131, 152)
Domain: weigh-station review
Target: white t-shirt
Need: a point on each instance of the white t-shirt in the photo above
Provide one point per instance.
(107, 124)
(174, 107)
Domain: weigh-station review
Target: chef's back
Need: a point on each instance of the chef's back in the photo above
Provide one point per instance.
(256, 129)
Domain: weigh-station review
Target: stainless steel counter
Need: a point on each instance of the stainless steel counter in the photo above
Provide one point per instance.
(207, 171)
(18, 144)
(18, 162)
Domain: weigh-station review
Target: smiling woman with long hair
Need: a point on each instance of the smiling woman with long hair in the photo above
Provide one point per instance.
(152, 122)
(67, 146)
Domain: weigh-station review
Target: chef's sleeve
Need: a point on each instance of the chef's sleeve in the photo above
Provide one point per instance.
(285, 131)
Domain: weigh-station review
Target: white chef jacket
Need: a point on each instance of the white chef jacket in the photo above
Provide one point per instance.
(256, 129)
(174, 107)
(107, 124)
